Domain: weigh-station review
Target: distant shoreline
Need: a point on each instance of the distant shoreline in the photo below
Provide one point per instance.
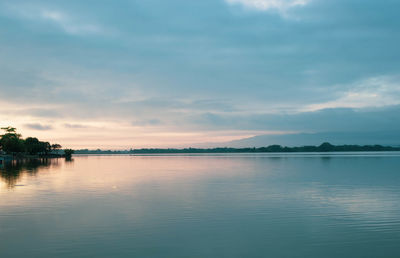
(325, 147)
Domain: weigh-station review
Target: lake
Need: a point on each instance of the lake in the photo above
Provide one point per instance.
(233, 205)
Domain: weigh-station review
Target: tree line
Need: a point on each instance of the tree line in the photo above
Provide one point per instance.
(324, 147)
(12, 142)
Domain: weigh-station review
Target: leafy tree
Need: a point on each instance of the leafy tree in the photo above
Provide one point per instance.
(11, 141)
(68, 153)
(56, 146)
(9, 129)
(45, 147)
(33, 146)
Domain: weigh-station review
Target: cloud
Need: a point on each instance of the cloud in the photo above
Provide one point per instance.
(266, 5)
(198, 65)
(39, 127)
(68, 24)
(42, 112)
(147, 122)
(75, 126)
(326, 120)
(372, 92)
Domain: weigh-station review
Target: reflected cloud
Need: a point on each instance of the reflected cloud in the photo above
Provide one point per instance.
(368, 204)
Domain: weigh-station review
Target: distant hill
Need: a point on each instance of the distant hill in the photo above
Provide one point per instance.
(387, 138)
(324, 147)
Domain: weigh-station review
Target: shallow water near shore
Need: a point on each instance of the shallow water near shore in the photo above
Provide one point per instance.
(227, 205)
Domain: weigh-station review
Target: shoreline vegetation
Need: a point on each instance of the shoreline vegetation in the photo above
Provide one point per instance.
(324, 147)
(13, 146)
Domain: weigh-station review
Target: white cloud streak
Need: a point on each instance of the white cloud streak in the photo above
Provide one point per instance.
(68, 24)
(266, 5)
(373, 92)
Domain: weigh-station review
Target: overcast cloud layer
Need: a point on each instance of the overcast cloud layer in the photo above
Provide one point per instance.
(133, 73)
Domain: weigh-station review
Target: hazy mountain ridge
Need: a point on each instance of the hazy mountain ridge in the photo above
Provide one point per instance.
(388, 138)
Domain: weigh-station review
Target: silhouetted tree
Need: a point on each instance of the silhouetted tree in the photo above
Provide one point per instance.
(68, 153)
(56, 146)
(33, 146)
(11, 141)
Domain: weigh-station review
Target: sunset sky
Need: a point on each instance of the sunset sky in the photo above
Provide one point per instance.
(144, 73)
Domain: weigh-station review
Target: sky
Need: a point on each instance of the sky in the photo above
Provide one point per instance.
(144, 73)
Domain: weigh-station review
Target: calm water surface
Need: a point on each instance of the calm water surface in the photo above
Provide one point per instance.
(202, 206)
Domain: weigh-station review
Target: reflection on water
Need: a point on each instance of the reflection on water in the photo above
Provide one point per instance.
(12, 171)
(203, 206)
